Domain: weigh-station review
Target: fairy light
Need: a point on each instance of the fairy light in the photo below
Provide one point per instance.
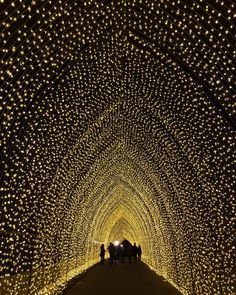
(110, 133)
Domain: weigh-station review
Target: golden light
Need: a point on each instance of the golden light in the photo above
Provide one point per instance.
(117, 120)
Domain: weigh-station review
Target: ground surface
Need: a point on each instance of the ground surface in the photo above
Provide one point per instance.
(121, 279)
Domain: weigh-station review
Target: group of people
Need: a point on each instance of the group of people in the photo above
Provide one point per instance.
(120, 252)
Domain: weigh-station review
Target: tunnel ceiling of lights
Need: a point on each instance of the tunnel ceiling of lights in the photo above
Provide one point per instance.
(117, 121)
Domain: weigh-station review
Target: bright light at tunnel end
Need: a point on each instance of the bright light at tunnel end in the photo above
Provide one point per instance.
(116, 243)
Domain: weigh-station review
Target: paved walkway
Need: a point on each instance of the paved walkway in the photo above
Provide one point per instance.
(121, 279)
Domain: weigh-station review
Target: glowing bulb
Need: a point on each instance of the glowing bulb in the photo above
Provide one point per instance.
(116, 243)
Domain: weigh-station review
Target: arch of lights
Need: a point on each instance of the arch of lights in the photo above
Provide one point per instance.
(117, 121)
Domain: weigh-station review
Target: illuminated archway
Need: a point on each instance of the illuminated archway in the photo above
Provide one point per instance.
(117, 121)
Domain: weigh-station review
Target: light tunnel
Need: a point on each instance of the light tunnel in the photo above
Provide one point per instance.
(117, 121)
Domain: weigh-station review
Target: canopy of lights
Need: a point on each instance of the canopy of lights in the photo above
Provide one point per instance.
(117, 122)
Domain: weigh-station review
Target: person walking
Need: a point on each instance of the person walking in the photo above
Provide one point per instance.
(111, 250)
(129, 252)
(102, 253)
(139, 252)
(135, 251)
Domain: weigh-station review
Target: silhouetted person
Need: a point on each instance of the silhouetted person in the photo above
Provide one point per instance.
(116, 254)
(102, 253)
(120, 252)
(111, 250)
(129, 252)
(139, 252)
(116, 257)
(135, 251)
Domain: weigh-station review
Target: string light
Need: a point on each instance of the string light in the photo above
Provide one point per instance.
(117, 121)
